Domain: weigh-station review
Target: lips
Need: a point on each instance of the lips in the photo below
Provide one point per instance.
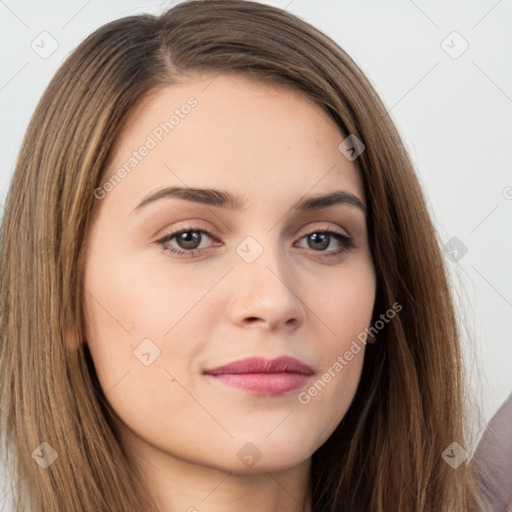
(263, 376)
(261, 365)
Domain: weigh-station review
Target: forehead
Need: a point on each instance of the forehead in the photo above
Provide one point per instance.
(229, 131)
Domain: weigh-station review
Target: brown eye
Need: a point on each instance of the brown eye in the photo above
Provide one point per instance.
(319, 241)
(186, 241)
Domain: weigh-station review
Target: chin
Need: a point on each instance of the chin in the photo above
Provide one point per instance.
(271, 456)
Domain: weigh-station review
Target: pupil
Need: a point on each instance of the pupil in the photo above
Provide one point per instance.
(189, 239)
(319, 238)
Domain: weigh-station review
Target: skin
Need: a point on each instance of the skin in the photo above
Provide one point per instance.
(271, 146)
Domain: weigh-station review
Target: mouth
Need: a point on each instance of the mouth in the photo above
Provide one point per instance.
(263, 376)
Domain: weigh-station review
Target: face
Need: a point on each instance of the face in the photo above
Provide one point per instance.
(181, 286)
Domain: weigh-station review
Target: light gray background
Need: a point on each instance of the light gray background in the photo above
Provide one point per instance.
(454, 112)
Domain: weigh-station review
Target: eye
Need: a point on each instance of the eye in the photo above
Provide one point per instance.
(188, 240)
(323, 240)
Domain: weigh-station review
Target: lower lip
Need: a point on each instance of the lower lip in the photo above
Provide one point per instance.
(264, 383)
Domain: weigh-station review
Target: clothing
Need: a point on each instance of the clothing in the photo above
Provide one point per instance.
(493, 460)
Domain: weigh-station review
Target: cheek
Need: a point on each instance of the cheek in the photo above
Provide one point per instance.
(344, 305)
(329, 395)
(127, 323)
(134, 309)
(343, 309)
(132, 297)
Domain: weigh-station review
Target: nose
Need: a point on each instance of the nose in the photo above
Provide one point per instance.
(266, 294)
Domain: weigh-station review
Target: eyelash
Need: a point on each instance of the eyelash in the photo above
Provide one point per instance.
(347, 243)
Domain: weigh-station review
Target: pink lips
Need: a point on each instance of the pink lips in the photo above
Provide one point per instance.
(263, 376)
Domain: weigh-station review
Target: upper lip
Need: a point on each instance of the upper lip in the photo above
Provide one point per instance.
(262, 365)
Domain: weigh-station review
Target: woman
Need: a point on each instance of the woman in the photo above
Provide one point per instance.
(221, 288)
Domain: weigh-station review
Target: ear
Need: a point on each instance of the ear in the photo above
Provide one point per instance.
(371, 338)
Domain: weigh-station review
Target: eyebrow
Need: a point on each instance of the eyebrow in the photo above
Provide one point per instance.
(223, 199)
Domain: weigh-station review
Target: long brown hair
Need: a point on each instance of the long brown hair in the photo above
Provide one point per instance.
(386, 454)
